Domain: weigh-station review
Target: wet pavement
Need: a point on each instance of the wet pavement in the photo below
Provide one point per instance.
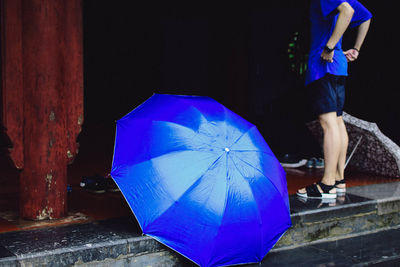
(375, 249)
(66, 245)
(339, 233)
(86, 241)
(299, 204)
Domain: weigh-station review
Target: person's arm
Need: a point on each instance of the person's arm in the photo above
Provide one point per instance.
(345, 14)
(352, 54)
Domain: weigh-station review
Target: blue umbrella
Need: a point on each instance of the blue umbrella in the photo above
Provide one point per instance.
(201, 180)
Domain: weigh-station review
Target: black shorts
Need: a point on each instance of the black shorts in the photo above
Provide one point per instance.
(327, 95)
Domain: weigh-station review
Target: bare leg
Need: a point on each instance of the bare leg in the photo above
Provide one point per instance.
(331, 147)
(344, 141)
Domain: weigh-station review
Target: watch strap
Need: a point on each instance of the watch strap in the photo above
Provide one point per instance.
(328, 49)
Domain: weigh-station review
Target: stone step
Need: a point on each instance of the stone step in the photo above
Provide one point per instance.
(364, 210)
(380, 248)
(355, 215)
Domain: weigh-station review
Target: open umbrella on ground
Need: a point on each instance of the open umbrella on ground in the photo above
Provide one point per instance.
(372, 151)
(201, 180)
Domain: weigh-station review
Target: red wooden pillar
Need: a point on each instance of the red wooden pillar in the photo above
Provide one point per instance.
(46, 38)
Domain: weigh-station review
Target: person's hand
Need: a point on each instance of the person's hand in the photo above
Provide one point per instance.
(327, 56)
(351, 54)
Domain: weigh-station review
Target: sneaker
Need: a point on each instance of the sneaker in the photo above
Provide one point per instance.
(311, 163)
(112, 186)
(291, 161)
(317, 163)
(94, 184)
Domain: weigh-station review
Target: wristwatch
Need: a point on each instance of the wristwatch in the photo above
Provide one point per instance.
(328, 49)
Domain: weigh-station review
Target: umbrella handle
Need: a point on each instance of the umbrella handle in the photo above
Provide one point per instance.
(352, 152)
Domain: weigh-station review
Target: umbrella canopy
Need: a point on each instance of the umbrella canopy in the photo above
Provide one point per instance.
(375, 152)
(201, 180)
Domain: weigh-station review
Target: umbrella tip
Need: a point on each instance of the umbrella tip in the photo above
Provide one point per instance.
(227, 149)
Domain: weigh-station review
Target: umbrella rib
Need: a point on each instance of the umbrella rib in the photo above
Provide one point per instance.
(226, 127)
(205, 143)
(248, 130)
(226, 200)
(258, 208)
(237, 140)
(175, 123)
(195, 132)
(222, 219)
(259, 172)
(258, 151)
(276, 189)
(169, 152)
(190, 187)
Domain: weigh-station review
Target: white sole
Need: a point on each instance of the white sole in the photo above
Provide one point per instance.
(340, 190)
(294, 165)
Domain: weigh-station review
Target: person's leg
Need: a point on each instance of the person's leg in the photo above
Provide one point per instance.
(344, 141)
(324, 103)
(331, 147)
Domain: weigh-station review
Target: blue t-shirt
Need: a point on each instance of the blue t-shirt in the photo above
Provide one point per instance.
(323, 16)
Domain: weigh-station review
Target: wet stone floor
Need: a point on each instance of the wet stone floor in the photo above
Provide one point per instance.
(377, 249)
(368, 249)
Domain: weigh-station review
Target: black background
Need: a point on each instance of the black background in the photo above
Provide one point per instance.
(234, 53)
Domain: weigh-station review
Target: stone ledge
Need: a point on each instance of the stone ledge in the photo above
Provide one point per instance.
(386, 206)
(159, 259)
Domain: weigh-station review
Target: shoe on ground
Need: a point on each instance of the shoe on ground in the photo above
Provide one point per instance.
(341, 189)
(111, 185)
(319, 163)
(318, 190)
(315, 163)
(94, 184)
(291, 161)
(311, 163)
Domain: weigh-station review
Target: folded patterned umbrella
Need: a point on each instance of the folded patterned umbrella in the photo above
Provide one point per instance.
(373, 152)
(201, 180)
